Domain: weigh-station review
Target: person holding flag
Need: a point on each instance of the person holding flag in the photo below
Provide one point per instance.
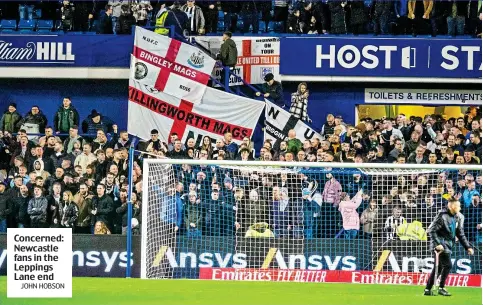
(447, 225)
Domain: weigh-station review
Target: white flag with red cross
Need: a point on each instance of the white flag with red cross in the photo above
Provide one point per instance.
(170, 66)
(219, 112)
(257, 56)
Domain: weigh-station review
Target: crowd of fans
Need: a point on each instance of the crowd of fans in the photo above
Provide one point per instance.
(395, 17)
(62, 179)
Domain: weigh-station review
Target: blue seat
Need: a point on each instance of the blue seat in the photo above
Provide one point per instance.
(239, 25)
(8, 26)
(95, 26)
(58, 25)
(25, 26)
(220, 26)
(45, 26)
(278, 27)
(37, 14)
(221, 15)
(270, 26)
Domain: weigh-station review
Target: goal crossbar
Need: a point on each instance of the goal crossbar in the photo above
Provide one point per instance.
(317, 164)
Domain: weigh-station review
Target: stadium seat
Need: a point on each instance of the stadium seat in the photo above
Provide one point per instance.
(37, 13)
(45, 26)
(8, 26)
(58, 25)
(278, 27)
(95, 26)
(221, 16)
(239, 25)
(270, 27)
(220, 26)
(26, 26)
(261, 26)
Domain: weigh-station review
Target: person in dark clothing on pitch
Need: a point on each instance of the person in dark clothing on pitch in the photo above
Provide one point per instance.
(443, 230)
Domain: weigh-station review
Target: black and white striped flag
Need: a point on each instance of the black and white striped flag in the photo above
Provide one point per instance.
(278, 122)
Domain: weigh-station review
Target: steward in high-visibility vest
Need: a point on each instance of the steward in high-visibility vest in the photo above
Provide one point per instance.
(160, 29)
(412, 231)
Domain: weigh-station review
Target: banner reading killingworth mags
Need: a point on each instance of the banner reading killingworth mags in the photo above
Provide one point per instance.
(217, 113)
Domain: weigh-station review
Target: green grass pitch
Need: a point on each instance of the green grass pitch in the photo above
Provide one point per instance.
(106, 291)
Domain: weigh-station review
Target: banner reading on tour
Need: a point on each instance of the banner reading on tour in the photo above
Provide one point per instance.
(257, 56)
(171, 66)
(219, 112)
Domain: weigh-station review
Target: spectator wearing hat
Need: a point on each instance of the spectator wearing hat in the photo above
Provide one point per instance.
(272, 90)
(228, 190)
(10, 119)
(96, 121)
(228, 54)
(66, 116)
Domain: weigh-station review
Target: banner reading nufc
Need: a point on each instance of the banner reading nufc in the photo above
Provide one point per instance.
(278, 122)
(257, 56)
(219, 112)
(170, 66)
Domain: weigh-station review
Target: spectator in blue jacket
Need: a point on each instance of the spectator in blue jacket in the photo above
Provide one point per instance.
(401, 11)
(230, 147)
(469, 193)
(96, 121)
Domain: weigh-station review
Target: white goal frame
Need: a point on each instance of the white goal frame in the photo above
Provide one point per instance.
(373, 168)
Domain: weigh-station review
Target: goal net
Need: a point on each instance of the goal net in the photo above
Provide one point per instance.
(307, 222)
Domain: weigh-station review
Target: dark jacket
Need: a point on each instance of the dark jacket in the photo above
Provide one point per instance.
(358, 15)
(71, 214)
(338, 23)
(275, 91)
(19, 213)
(105, 24)
(71, 115)
(9, 121)
(412, 159)
(5, 207)
(447, 8)
(177, 18)
(445, 228)
(37, 209)
(228, 53)
(125, 23)
(294, 24)
(89, 127)
(105, 208)
(39, 119)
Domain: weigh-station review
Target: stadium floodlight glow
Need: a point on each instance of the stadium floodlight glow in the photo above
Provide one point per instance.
(299, 221)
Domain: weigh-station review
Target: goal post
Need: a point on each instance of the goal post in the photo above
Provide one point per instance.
(300, 221)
